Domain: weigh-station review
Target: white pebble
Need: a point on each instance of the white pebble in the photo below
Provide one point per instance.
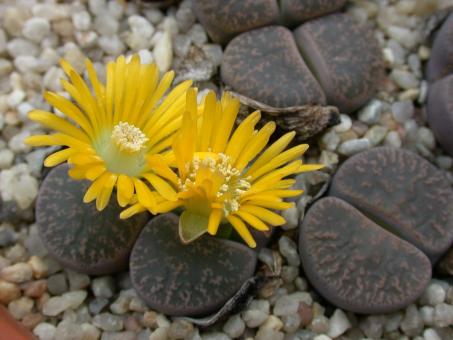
(45, 331)
(393, 139)
(163, 52)
(344, 125)
(111, 45)
(403, 110)
(404, 36)
(6, 158)
(106, 25)
(353, 146)
(81, 20)
(35, 29)
(338, 324)
(371, 113)
(426, 137)
(404, 79)
(17, 273)
(431, 334)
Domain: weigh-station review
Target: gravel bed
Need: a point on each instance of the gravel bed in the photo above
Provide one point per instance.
(60, 304)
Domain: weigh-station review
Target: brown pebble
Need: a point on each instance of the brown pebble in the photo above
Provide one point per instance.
(42, 300)
(149, 319)
(8, 292)
(36, 289)
(38, 266)
(17, 273)
(359, 128)
(347, 135)
(32, 320)
(305, 313)
(131, 324)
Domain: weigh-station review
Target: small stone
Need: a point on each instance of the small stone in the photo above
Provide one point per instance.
(36, 29)
(45, 331)
(17, 273)
(353, 146)
(17, 253)
(443, 315)
(103, 286)
(338, 324)
(234, 327)
(393, 140)
(38, 266)
(434, 295)
(20, 307)
(8, 292)
(81, 20)
(90, 332)
(426, 137)
(121, 305)
(404, 36)
(77, 280)
(159, 334)
(371, 113)
(406, 80)
(108, 322)
(412, 323)
(106, 25)
(286, 305)
(319, 324)
(163, 52)
(111, 45)
(30, 321)
(58, 304)
(57, 284)
(431, 334)
(373, 326)
(345, 124)
(180, 329)
(403, 110)
(288, 249)
(254, 318)
(18, 47)
(330, 140)
(427, 314)
(322, 337)
(36, 289)
(289, 273)
(305, 313)
(141, 32)
(376, 134)
(291, 217)
(97, 305)
(68, 331)
(7, 235)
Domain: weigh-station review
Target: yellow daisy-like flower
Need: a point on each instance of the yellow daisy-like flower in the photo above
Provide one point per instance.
(224, 174)
(112, 129)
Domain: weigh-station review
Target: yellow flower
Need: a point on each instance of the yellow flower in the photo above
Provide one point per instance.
(112, 129)
(224, 174)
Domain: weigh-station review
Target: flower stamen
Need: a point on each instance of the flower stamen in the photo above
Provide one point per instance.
(128, 137)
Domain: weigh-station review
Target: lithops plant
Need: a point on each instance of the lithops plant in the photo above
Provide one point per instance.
(329, 58)
(389, 219)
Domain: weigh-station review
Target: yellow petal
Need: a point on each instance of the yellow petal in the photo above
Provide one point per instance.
(225, 125)
(266, 215)
(104, 197)
(242, 230)
(161, 186)
(310, 167)
(254, 221)
(95, 188)
(279, 160)
(58, 124)
(214, 221)
(144, 194)
(59, 157)
(272, 151)
(125, 187)
(256, 144)
(132, 210)
(95, 171)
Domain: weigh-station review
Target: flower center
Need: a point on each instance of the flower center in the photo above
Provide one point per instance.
(128, 137)
(218, 179)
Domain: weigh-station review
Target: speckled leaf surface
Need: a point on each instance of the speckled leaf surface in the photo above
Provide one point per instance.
(78, 235)
(402, 192)
(356, 264)
(344, 56)
(187, 280)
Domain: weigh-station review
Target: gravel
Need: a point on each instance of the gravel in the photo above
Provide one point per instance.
(62, 304)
